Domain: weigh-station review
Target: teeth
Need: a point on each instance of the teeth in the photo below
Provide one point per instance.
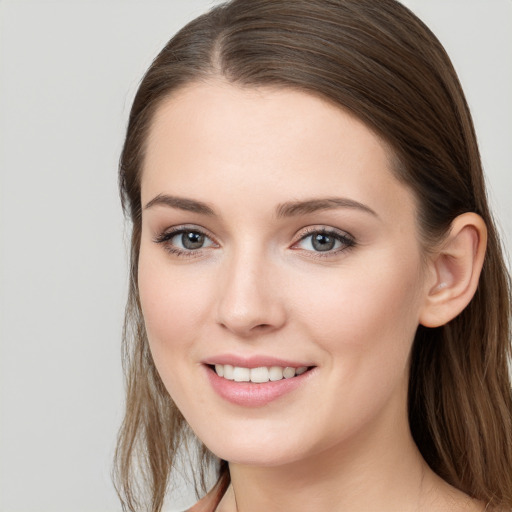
(257, 375)
(241, 374)
(276, 373)
(289, 372)
(228, 372)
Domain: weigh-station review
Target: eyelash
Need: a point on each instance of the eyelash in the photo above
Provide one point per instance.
(165, 238)
(345, 239)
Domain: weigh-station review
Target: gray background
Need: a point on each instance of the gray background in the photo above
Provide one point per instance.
(68, 72)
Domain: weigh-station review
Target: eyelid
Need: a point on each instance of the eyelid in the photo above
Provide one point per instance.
(344, 237)
(165, 236)
(171, 231)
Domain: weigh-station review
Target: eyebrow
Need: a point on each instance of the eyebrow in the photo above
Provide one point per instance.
(284, 210)
(181, 203)
(296, 208)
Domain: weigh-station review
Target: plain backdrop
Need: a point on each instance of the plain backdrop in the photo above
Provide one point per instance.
(68, 72)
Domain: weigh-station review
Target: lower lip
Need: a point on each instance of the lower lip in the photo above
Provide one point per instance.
(249, 394)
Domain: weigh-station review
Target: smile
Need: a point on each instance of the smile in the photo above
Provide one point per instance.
(258, 375)
(257, 385)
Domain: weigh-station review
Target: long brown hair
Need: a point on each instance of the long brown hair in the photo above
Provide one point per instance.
(378, 60)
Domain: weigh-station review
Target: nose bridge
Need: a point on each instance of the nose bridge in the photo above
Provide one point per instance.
(249, 299)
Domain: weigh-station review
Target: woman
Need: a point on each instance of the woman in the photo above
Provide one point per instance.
(318, 293)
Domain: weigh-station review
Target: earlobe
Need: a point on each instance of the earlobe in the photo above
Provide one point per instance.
(456, 268)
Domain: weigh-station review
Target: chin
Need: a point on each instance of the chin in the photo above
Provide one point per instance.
(257, 455)
(249, 445)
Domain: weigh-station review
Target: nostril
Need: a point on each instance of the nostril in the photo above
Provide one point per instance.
(261, 326)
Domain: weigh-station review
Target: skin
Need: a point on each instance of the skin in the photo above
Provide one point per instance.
(341, 441)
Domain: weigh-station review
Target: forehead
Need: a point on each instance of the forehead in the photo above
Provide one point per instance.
(215, 138)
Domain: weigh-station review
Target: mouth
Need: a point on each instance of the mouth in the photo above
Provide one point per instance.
(256, 380)
(259, 375)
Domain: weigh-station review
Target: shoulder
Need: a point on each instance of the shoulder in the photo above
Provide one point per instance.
(211, 501)
(206, 504)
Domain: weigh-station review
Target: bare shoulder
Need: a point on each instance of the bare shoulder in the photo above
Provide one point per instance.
(462, 503)
(207, 504)
(215, 500)
(440, 496)
(445, 498)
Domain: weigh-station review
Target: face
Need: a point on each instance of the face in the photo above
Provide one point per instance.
(277, 242)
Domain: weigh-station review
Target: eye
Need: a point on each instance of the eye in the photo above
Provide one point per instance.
(189, 240)
(325, 240)
(184, 242)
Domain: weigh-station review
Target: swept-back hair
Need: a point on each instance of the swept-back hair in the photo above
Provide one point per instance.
(379, 61)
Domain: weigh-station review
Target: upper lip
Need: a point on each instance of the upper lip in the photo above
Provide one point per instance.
(254, 361)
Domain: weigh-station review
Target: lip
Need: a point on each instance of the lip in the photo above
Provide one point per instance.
(255, 361)
(249, 394)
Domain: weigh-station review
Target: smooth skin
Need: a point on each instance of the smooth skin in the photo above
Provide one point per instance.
(228, 161)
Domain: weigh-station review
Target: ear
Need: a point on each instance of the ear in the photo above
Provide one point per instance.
(454, 270)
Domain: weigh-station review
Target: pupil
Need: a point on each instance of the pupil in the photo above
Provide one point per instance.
(192, 240)
(323, 242)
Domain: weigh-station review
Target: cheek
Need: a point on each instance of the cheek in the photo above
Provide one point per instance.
(364, 327)
(173, 313)
(172, 306)
(369, 311)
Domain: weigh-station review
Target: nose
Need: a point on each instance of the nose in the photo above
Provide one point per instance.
(250, 296)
